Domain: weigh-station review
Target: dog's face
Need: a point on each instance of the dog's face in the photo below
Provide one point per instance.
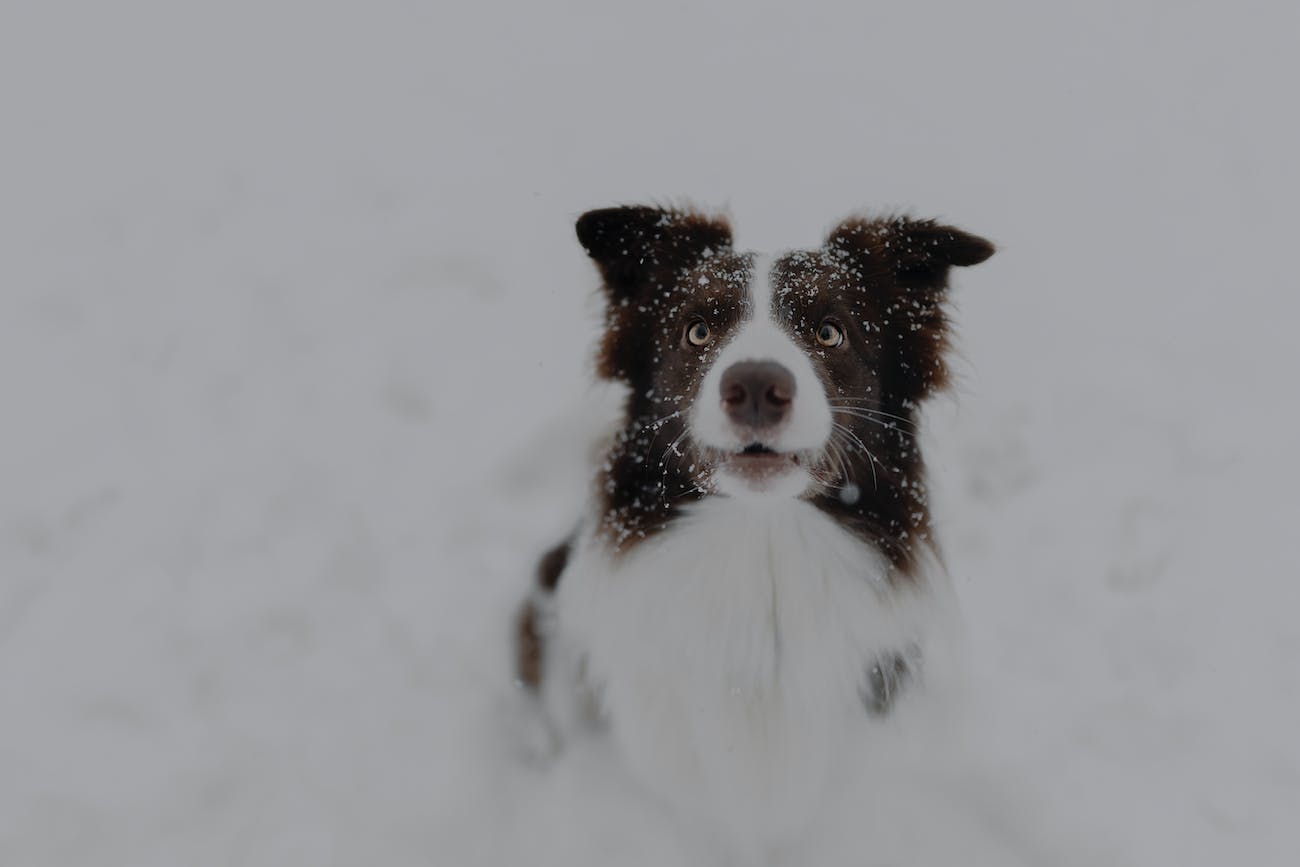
(764, 413)
(759, 376)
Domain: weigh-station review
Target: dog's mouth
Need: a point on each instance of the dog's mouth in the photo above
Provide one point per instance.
(759, 461)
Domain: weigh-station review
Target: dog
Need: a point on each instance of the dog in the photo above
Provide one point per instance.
(755, 580)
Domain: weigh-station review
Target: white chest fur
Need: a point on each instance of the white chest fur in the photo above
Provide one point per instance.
(730, 652)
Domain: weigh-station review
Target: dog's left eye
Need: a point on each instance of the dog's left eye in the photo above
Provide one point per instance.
(830, 334)
(697, 333)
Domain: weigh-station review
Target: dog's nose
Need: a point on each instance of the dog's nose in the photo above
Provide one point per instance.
(757, 394)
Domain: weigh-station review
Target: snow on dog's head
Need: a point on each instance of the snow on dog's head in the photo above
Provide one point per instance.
(789, 376)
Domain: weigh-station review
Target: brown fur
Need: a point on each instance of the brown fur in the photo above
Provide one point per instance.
(529, 643)
(529, 646)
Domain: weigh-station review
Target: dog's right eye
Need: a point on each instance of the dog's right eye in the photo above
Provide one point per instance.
(830, 334)
(697, 333)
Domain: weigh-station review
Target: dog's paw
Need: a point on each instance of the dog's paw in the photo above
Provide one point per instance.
(887, 677)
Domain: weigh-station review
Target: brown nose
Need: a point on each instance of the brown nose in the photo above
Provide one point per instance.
(757, 394)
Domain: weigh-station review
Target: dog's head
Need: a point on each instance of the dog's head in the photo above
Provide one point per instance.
(755, 376)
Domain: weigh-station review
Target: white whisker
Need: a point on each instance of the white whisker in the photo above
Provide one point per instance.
(872, 411)
(842, 429)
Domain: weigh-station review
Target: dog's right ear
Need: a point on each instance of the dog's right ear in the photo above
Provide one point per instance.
(637, 246)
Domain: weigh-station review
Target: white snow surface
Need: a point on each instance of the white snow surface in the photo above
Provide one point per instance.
(294, 341)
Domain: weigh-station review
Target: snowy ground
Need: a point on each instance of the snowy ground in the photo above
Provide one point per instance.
(290, 309)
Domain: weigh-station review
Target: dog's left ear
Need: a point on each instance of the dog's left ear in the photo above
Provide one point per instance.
(638, 246)
(918, 252)
(910, 258)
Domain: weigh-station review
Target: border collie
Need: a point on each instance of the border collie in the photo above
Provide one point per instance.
(756, 576)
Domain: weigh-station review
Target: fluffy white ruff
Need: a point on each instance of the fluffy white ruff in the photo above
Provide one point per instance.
(729, 654)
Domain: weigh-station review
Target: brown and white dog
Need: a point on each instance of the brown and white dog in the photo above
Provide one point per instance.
(755, 580)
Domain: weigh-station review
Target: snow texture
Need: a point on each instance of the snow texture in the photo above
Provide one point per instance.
(294, 337)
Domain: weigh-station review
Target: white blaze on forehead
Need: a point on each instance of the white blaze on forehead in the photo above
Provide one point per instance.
(761, 290)
(762, 336)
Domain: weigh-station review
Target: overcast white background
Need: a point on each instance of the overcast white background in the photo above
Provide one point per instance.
(293, 351)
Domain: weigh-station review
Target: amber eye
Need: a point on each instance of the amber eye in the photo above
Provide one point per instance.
(697, 333)
(830, 334)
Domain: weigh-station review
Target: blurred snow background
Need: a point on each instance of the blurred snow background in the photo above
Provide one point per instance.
(293, 341)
